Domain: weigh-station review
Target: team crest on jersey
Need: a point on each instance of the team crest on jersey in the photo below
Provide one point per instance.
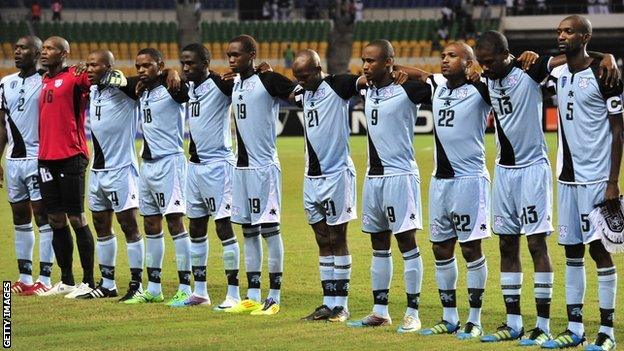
(512, 80)
(200, 90)
(58, 83)
(583, 83)
(248, 86)
(462, 93)
(319, 94)
(387, 92)
(564, 79)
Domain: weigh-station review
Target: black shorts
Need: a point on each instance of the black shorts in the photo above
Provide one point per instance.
(63, 184)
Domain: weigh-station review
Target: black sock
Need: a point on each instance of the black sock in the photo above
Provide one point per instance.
(86, 250)
(63, 245)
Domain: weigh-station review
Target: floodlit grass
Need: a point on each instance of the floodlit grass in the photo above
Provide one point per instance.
(58, 323)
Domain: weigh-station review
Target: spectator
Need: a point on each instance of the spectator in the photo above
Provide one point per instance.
(509, 7)
(289, 57)
(311, 11)
(486, 11)
(358, 6)
(35, 12)
(541, 6)
(266, 10)
(197, 10)
(284, 8)
(443, 33)
(603, 7)
(56, 10)
(447, 13)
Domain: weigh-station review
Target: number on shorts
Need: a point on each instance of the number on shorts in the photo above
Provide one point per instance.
(254, 205)
(160, 198)
(114, 198)
(391, 216)
(529, 215)
(35, 182)
(45, 174)
(330, 208)
(585, 222)
(147, 115)
(212, 206)
(462, 222)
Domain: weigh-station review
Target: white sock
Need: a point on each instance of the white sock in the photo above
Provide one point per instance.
(381, 274)
(182, 244)
(276, 260)
(446, 276)
(231, 263)
(106, 248)
(136, 252)
(607, 286)
(511, 286)
(575, 294)
(199, 261)
(412, 274)
(342, 278)
(24, 245)
(476, 279)
(253, 261)
(46, 254)
(326, 270)
(543, 296)
(154, 252)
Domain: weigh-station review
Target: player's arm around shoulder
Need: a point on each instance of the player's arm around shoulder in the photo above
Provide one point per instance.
(277, 85)
(418, 92)
(615, 110)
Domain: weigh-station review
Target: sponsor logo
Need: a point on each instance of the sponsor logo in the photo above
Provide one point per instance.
(583, 82)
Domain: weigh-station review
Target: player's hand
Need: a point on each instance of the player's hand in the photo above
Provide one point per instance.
(229, 75)
(612, 197)
(173, 80)
(139, 88)
(80, 68)
(399, 77)
(609, 72)
(473, 73)
(264, 67)
(114, 78)
(527, 59)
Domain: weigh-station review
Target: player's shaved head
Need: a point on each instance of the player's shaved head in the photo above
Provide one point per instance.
(307, 58)
(385, 46)
(493, 41)
(580, 24)
(104, 56)
(463, 48)
(59, 42)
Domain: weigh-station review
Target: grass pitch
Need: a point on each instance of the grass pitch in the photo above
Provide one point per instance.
(58, 323)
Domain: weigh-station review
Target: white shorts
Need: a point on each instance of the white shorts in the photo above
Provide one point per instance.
(459, 208)
(22, 178)
(209, 190)
(391, 203)
(331, 198)
(115, 190)
(522, 200)
(575, 202)
(163, 186)
(256, 195)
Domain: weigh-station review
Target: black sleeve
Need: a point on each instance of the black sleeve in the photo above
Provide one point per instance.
(130, 88)
(277, 85)
(482, 88)
(180, 96)
(418, 92)
(299, 92)
(343, 84)
(225, 86)
(612, 95)
(3, 106)
(539, 70)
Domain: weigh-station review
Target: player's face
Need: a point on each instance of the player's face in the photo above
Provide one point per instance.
(570, 37)
(453, 62)
(307, 75)
(239, 60)
(51, 54)
(493, 65)
(192, 67)
(95, 68)
(374, 64)
(147, 68)
(25, 54)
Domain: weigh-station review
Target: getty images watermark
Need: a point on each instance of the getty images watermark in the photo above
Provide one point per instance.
(6, 314)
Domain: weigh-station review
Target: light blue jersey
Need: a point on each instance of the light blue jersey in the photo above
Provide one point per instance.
(390, 117)
(209, 120)
(517, 104)
(584, 105)
(19, 99)
(255, 101)
(460, 116)
(113, 120)
(326, 125)
(162, 117)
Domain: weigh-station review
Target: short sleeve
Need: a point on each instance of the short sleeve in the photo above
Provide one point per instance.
(539, 70)
(82, 80)
(299, 92)
(345, 85)
(181, 96)
(418, 92)
(613, 97)
(225, 86)
(130, 88)
(277, 85)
